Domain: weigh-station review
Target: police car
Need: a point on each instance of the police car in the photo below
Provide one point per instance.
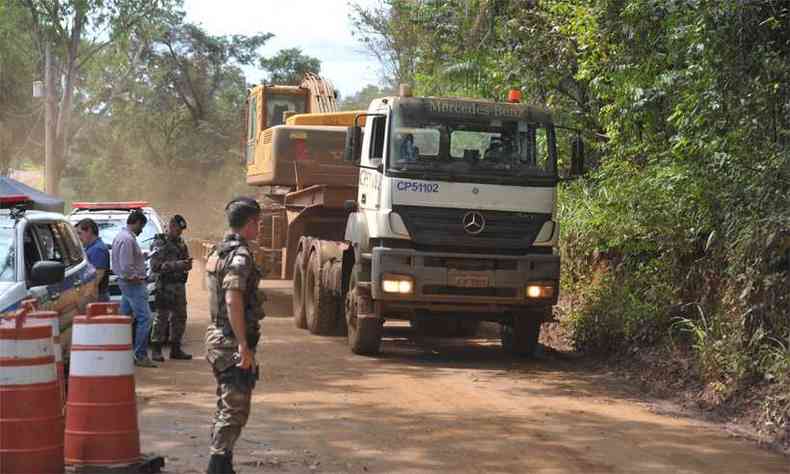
(111, 217)
(41, 257)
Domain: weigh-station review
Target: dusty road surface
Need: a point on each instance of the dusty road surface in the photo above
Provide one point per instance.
(458, 406)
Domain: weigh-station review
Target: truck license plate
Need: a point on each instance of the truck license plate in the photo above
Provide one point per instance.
(469, 280)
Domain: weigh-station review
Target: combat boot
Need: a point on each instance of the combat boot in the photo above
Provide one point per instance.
(220, 464)
(177, 354)
(156, 352)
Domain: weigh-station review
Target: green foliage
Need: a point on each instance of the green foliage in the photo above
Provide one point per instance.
(362, 99)
(18, 116)
(175, 128)
(155, 112)
(388, 32)
(289, 66)
(716, 341)
(617, 313)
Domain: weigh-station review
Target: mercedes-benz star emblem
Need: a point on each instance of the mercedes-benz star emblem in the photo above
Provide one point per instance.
(474, 222)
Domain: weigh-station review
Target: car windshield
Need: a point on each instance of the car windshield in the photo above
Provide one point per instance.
(109, 229)
(478, 149)
(7, 252)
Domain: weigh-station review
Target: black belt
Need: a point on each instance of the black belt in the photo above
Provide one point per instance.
(133, 282)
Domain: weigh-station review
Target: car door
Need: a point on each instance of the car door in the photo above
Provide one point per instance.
(62, 297)
(85, 280)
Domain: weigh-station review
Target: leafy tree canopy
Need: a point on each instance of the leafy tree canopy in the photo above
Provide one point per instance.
(289, 66)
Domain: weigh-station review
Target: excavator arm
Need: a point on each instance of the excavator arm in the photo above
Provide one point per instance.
(321, 93)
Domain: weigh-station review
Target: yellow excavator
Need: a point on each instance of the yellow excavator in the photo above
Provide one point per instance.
(293, 146)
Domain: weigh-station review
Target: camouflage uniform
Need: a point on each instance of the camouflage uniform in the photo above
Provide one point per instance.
(231, 266)
(167, 257)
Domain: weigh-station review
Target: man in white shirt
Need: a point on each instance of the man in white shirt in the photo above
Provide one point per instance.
(128, 263)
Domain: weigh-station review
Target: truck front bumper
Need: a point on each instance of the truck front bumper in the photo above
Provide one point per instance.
(472, 283)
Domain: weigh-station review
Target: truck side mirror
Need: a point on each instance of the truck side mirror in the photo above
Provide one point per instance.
(353, 144)
(351, 206)
(577, 156)
(47, 272)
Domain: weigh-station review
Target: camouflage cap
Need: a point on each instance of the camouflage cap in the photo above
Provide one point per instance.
(179, 220)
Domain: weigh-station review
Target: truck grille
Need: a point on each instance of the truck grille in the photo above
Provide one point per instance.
(444, 227)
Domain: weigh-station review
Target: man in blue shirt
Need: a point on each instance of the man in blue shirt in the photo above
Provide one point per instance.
(98, 255)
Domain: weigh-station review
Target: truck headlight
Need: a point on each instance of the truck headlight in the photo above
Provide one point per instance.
(400, 284)
(542, 290)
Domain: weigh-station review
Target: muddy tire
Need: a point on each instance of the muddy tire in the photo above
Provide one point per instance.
(322, 308)
(300, 319)
(521, 337)
(364, 335)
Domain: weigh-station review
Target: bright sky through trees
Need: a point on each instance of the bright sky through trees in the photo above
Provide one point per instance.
(320, 28)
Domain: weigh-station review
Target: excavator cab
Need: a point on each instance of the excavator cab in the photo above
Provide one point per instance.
(267, 106)
(278, 101)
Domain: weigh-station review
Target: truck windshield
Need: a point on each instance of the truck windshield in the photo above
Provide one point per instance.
(494, 150)
(7, 252)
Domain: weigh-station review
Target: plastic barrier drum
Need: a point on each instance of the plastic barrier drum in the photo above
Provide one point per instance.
(31, 412)
(101, 413)
(33, 317)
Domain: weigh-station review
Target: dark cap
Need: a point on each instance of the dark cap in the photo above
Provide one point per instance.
(240, 210)
(179, 220)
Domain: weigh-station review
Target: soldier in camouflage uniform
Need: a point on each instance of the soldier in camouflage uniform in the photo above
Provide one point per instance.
(171, 263)
(235, 305)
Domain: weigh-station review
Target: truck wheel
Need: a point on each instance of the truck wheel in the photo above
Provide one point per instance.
(321, 306)
(364, 335)
(521, 337)
(298, 292)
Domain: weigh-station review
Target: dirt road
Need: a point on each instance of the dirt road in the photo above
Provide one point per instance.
(459, 406)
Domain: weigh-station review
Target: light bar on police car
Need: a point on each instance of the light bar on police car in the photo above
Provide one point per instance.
(12, 200)
(120, 205)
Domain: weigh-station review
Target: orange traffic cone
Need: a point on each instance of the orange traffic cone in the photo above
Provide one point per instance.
(31, 412)
(101, 412)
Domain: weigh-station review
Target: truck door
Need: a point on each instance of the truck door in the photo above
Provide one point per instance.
(373, 148)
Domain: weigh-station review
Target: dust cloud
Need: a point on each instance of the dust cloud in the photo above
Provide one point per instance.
(199, 193)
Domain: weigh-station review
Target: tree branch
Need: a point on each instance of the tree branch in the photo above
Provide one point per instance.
(135, 21)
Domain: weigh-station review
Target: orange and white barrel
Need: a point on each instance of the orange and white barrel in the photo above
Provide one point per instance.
(31, 413)
(101, 411)
(32, 317)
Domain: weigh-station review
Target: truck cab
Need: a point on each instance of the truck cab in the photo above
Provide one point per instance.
(455, 214)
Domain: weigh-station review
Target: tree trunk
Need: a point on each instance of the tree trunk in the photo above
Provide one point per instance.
(70, 73)
(50, 175)
(5, 150)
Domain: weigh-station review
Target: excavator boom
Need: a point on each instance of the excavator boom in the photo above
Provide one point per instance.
(321, 93)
